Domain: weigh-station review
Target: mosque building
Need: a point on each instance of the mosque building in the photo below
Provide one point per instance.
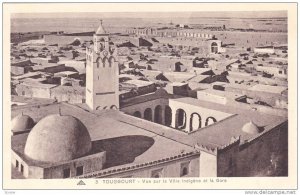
(154, 135)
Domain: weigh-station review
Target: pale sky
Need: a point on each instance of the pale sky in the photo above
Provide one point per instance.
(236, 14)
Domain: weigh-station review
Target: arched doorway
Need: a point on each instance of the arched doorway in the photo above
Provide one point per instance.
(137, 114)
(210, 120)
(158, 114)
(195, 122)
(214, 47)
(148, 114)
(180, 119)
(168, 116)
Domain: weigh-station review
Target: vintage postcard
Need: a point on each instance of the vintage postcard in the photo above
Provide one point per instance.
(150, 96)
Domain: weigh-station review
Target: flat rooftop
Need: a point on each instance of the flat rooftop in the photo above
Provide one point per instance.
(268, 88)
(48, 65)
(39, 85)
(30, 101)
(27, 75)
(31, 80)
(177, 84)
(178, 76)
(65, 73)
(227, 94)
(138, 83)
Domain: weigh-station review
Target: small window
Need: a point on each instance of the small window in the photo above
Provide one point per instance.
(184, 169)
(157, 173)
(23, 92)
(66, 173)
(280, 72)
(17, 164)
(79, 170)
(22, 168)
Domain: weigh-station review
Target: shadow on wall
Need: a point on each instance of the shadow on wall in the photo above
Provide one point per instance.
(122, 150)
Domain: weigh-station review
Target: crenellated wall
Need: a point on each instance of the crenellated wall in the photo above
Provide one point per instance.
(265, 155)
(227, 159)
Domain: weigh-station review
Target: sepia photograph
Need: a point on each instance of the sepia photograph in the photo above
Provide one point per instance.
(130, 94)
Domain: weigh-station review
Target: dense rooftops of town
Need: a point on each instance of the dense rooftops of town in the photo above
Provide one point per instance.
(244, 89)
(251, 71)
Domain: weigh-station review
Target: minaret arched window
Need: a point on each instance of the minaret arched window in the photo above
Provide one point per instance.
(97, 62)
(111, 60)
(104, 61)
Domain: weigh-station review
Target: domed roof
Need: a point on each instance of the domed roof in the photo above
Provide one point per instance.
(21, 123)
(100, 29)
(250, 128)
(58, 138)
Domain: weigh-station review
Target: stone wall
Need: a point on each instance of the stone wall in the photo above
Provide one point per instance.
(16, 70)
(227, 161)
(70, 94)
(266, 155)
(89, 163)
(30, 91)
(28, 171)
(208, 164)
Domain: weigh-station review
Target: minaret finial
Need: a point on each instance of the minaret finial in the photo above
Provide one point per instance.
(100, 29)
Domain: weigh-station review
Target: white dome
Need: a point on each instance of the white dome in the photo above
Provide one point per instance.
(250, 128)
(21, 123)
(58, 138)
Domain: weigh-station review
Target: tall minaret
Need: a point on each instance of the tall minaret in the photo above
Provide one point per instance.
(102, 81)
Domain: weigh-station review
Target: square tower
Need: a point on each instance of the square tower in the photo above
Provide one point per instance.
(102, 70)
